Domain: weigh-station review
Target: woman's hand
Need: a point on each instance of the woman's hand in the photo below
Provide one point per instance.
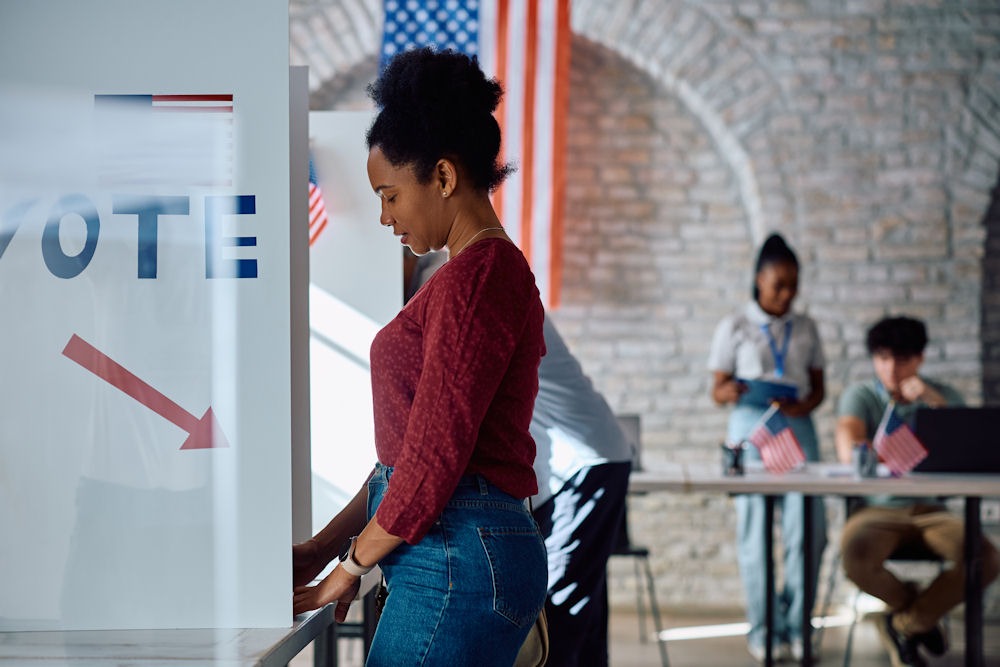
(802, 408)
(793, 408)
(338, 586)
(307, 562)
(726, 389)
(731, 391)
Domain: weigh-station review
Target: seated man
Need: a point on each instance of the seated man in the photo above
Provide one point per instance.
(871, 534)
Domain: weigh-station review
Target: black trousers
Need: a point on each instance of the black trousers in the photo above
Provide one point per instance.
(581, 524)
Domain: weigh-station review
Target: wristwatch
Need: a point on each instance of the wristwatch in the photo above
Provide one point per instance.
(351, 564)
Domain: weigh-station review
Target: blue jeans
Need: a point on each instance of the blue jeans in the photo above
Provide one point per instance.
(790, 598)
(470, 590)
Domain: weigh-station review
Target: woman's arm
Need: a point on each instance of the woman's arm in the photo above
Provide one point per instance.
(372, 545)
(725, 388)
(817, 393)
(310, 557)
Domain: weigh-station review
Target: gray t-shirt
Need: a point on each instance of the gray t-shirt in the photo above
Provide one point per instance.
(868, 400)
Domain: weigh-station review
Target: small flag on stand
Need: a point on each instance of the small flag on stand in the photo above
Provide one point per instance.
(778, 446)
(317, 207)
(896, 444)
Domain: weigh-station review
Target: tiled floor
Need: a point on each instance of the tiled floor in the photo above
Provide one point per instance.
(627, 650)
(723, 651)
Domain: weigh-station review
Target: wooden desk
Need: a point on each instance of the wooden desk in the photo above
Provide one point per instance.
(257, 647)
(822, 479)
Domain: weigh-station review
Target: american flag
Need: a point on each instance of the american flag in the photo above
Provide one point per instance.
(525, 44)
(896, 444)
(778, 446)
(169, 140)
(317, 206)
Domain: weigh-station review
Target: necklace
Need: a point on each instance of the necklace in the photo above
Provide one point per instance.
(481, 231)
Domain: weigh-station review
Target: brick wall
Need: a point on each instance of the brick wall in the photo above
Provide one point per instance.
(866, 132)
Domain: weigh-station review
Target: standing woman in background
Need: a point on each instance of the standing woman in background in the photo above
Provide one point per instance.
(454, 379)
(765, 340)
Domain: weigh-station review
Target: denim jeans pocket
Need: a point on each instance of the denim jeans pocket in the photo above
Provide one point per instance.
(517, 562)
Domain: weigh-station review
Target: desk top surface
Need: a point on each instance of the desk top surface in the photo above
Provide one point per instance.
(814, 479)
(223, 647)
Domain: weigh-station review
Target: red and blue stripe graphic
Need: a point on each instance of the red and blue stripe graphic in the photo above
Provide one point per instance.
(166, 139)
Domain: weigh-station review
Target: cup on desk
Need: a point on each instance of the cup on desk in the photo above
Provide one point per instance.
(732, 458)
(864, 460)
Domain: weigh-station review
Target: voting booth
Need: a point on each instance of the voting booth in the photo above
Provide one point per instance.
(146, 288)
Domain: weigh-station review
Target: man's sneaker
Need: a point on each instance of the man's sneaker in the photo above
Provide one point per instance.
(934, 640)
(903, 651)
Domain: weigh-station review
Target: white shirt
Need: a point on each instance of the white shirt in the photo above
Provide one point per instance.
(741, 347)
(573, 426)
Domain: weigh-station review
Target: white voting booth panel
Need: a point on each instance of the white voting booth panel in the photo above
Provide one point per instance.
(356, 287)
(144, 284)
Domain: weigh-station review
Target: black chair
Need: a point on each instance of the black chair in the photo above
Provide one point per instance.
(624, 547)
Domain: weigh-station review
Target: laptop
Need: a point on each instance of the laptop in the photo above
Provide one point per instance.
(959, 439)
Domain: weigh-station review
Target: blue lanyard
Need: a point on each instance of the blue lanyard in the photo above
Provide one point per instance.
(779, 355)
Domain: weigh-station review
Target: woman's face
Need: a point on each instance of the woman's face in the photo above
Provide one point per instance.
(777, 285)
(414, 210)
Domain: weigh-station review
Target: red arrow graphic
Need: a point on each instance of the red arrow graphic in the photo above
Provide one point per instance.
(204, 433)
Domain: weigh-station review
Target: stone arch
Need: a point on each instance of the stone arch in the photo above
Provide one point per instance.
(682, 45)
(334, 38)
(689, 51)
(716, 65)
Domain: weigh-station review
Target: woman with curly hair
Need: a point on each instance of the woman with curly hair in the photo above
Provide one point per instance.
(765, 339)
(454, 379)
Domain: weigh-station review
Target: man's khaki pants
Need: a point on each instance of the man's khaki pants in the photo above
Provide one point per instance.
(873, 533)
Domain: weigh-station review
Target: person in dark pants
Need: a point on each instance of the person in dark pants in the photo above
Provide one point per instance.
(583, 464)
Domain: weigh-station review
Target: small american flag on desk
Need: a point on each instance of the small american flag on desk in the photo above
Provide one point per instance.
(778, 446)
(896, 444)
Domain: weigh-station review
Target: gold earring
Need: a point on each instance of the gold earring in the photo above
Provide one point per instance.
(444, 193)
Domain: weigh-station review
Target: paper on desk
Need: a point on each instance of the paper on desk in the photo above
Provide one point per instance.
(847, 470)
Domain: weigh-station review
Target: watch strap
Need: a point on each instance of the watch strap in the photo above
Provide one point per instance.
(351, 564)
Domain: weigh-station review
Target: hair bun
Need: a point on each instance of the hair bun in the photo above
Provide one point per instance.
(434, 104)
(445, 83)
(774, 244)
